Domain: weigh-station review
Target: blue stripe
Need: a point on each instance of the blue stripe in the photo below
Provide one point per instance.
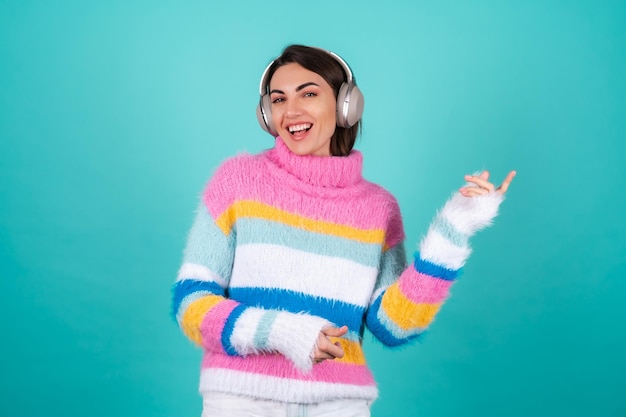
(382, 332)
(435, 270)
(338, 312)
(264, 329)
(448, 231)
(229, 326)
(185, 287)
(253, 230)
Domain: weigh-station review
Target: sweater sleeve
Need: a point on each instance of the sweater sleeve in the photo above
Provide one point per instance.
(206, 315)
(402, 308)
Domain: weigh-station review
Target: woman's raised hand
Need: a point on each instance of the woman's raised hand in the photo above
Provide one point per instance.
(482, 186)
(325, 349)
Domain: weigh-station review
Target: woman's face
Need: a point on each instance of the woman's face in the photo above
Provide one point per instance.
(303, 110)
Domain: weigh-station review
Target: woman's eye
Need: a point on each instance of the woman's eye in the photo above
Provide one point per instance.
(309, 94)
(278, 100)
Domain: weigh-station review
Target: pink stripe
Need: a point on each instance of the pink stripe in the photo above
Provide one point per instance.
(213, 324)
(422, 288)
(227, 187)
(221, 190)
(395, 230)
(278, 366)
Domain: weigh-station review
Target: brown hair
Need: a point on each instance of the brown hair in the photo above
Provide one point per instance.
(322, 63)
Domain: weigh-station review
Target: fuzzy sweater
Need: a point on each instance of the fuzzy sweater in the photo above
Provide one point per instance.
(285, 245)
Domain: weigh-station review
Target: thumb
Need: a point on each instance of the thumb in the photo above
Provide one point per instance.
(335, 331)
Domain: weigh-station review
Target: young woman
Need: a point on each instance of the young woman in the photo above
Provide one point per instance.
(292, 254)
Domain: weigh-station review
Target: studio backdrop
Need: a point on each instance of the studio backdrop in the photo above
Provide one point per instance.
(113, 115)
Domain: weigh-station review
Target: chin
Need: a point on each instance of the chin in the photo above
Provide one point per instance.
(304, 148)
(298, 150)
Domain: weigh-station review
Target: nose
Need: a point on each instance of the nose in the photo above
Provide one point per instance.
(293, 108)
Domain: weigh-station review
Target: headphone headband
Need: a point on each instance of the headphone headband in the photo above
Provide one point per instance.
(344, 65)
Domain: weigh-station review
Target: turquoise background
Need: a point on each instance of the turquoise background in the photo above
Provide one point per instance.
(114, 114)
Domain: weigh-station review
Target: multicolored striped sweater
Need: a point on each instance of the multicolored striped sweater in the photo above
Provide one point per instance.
(285, 245)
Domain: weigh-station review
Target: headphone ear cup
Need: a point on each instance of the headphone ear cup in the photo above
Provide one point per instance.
(261, 117)
(349, 105)
(264, 115)
(355, 108)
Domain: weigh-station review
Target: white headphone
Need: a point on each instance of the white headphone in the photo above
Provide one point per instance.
(349, 99)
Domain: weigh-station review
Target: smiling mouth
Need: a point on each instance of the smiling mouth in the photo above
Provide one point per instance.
(300, 128)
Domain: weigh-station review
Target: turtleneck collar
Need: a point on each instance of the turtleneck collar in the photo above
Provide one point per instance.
(321, 171)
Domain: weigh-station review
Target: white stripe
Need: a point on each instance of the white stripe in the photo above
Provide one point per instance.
(470, 214)
(201, 273)
(280, 389)
(439, 250)
(273, 266)
(242, 337)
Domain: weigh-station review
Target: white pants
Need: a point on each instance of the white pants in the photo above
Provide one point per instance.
(216, 404)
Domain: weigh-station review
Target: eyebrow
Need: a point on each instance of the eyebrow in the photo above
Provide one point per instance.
(300, 87)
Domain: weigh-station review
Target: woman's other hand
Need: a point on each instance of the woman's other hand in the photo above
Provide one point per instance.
(482, 186)
(325, 349)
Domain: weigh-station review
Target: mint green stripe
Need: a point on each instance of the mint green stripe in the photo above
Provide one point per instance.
(448, 231)
(252, 230)
(262, 333)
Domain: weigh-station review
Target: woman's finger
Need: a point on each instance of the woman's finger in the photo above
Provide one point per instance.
(507, 181)
(322, 356)
(319, 354)
(335, 331)
(324, 345)
(480, 181)
(473, 191)
(336, 351)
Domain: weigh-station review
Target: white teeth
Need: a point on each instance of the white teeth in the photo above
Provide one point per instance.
(297, 128)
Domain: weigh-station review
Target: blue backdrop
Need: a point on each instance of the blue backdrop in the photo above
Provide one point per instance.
(114, 114)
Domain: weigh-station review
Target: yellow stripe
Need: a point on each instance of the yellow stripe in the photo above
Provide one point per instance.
(353, 352)
(262, 211)
(404, 312)
(193, 316)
